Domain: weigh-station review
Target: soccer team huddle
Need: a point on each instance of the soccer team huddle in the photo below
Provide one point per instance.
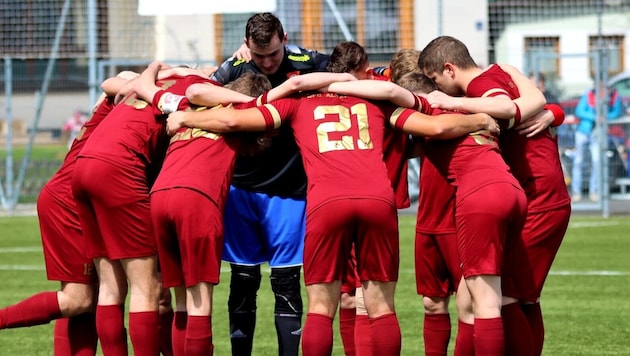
(298, 159)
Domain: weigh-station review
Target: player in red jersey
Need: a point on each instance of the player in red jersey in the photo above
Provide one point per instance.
(341, 141)
(270, 183)
(350, 57)
(183, 256)
(111, 183)
(436, 258)
(459, 165)
(534, 162)
(455, 160)
(73, 305)
(194, 180)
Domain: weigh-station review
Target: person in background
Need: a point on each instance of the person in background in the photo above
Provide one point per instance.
(587, 137)
(73, 125)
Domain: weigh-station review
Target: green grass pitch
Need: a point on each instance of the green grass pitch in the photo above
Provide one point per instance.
(585, 301)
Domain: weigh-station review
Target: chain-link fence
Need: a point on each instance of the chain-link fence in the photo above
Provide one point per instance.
(55, 52)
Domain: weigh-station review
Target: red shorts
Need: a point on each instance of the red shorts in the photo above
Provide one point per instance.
(437, 264)
(62, 241)
(372, 225)
(484, 219)
(351, 279)
(525, 273)
(113, 205)
(189, 232)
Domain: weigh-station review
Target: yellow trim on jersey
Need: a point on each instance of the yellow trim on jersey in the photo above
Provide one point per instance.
(191, 133)
(395, 116)
(299, 58)
(275, 115)
(238, 62)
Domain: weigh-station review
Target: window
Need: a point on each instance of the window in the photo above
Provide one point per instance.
(613, 53)
(542, 55)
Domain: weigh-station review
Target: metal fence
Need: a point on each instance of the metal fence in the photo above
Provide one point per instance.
(55, 52)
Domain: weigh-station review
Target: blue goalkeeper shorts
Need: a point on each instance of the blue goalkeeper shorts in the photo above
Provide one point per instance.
(263, 228)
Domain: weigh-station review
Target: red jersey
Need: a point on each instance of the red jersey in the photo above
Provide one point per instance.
(60, 184)
(341, 142)
(396, 146)
(200, 160)
(535, 161)
(436, 203)
(132, 136)
(469, 162)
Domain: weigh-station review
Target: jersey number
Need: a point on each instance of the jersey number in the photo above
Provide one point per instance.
(346, 141)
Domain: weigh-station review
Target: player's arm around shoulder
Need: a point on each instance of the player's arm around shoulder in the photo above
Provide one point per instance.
(208, 94)
(532, 100)
(220, 120)
(306, 82)
(444, 126)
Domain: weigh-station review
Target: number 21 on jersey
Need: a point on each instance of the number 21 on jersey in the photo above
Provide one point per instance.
(346, 141)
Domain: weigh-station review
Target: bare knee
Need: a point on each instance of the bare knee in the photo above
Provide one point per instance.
(379, 298)
(348, 301)
(435, 305)
(76, 298)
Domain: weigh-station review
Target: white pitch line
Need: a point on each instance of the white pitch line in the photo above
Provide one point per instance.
(21, 249)
(22, 267)
(589, 273)
(593, 224)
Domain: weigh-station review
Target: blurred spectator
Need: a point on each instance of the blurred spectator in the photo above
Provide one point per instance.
(539, 79)
(564, 132)
(586, 136)
(73, 125)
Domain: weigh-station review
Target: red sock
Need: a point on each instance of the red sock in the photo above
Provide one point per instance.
(144, 332)
(38, 309)
(436, 333)
(76, 336)
(111, 329)
(346, 327)
(362, 335)
(166, 325)
(199, 336)
(518, 335)
(178, 333)
(317, 336)
(489, 337)
(386, 338)
(533, 313)
(465, 341)
(61, 341)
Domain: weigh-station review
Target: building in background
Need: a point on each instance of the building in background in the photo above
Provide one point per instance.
(554, 36)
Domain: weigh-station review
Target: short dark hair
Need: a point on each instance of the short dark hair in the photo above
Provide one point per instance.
(442, 50)
(252, 84)
(262, 27)
(347, 56)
